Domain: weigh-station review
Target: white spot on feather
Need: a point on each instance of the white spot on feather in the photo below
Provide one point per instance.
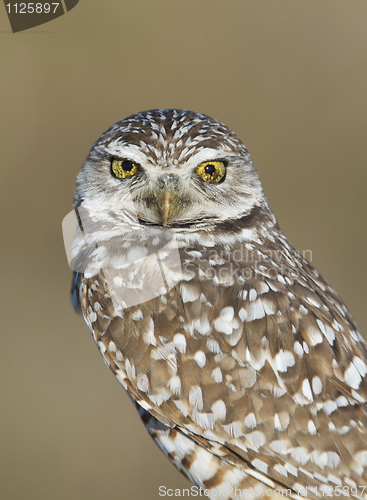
(263, 287)
(280, 446)
(242, 314)
(219, 409)
(217, 375)
(196, 397)
(92, 315)
(350, 482)
(277, 424)
(112, 346)
(203, 470)
(325, 459)
(278, 391)
(204, 420)
(329, 334)
(137, 315)
(189, 294)
(298, 349)
(149, 333)
(250, 421)
(300, 455)
(260, 465)
(227, 313)
(233, 429)
(255, 439)
(360, 365)
(143, 383)
(314, 336)
(130, 369)
(284, 360)
(312, 428)
(281, 421)
(360, 462)
(341, 401)
(182, 407)
(174, 384)
(200, 358)
(306, 389)
(213, 346)
(179, 342)
(334, 479)
(316, 385)
(302, 309)
(281, 470)
(313, 302)
(352, 377)
(158, 399)
(358, 397)
(120, 375)
(281, 279)
(291, 469)
(202, 326)
(255, 310)
(222, 326)
(270, 307)
(117, 281)
(102, 347)
(329, 406)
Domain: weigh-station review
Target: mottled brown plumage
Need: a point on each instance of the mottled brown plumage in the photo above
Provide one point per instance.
(246, 367)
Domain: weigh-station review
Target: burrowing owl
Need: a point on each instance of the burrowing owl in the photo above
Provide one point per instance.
(247, 369)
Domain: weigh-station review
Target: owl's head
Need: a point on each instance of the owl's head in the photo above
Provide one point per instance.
(179, 168)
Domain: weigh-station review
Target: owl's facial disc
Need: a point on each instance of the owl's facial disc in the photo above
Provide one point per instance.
(177, 168)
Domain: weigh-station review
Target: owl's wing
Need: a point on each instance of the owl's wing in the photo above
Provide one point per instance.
(266, 372)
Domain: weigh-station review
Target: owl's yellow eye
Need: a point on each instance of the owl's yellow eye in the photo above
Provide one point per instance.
(211, 171)
(123, 169)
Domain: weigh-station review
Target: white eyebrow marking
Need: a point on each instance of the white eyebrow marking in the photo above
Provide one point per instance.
(205, 154)
(129, 151)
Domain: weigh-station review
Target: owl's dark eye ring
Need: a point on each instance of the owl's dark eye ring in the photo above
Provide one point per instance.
(123, 169)
(212, 171)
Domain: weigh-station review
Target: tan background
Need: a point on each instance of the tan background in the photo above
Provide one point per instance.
(290, 77)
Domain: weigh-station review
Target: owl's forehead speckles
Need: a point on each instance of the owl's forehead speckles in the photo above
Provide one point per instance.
(169, 137)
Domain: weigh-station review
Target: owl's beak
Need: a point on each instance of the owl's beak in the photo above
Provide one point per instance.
(169, 199)
(170, 204)
(166, 205)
